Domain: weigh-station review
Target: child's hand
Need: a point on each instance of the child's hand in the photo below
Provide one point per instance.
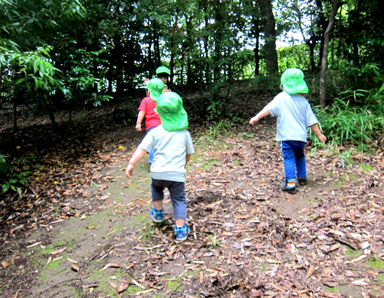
(138, 127)
(322, 138)
(129, 170)
(253, 120)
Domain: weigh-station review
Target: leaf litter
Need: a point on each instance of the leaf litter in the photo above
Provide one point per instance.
(246, 239)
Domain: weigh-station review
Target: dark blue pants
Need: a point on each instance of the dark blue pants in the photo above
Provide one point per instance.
(294, 159)
(177, 193)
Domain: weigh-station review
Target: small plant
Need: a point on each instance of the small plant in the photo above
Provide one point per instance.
(9, 179)
(217, 128)
(214, 241)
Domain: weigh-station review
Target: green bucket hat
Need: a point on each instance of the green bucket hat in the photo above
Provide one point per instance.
(293, 81)
(155, 87)
(170, 108)
(163, 69)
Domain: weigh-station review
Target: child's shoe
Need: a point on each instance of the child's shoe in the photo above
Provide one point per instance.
(302, 181)
(288, 187)
(156, 215)
(181, 232)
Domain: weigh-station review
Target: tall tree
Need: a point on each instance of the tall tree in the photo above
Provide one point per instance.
(324, 59)
(269, 36)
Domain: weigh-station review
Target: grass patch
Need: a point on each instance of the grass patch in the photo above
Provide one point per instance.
(375, 263)
(351, 253)
(54, 246)
(332, 290)
(380, 279)
(210, 164)
(365, 168)
(173, 285)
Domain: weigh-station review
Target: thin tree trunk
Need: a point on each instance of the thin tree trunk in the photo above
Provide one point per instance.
(324, 59)
(14, 115)
(257, 56)
(269, 35)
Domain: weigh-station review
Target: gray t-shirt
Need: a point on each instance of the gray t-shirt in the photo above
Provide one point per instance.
(294, 115)
(170, 149)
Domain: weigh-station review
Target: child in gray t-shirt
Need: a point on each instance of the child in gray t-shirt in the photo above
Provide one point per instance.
(172, 145)
(294, 115)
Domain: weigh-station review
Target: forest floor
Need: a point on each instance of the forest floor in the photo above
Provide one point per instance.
(82, 228)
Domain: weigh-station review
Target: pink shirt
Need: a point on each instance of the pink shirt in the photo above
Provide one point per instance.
(152, 119)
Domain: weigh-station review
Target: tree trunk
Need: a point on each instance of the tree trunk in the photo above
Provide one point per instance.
(311, 45)
(14, 115)
(257, 56)
(171, 66)
(324, 59)
(269, 36)
(218, 39)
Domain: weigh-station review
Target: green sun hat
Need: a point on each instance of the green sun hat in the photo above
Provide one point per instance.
(293, 81)
(163, 69)
(170, 108)
(155, 87)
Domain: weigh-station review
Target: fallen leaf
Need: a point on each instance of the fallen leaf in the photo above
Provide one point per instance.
(4, 264)
(58, 251)
(111, 265)
(122, 287)
(310, 271)
(273, 261)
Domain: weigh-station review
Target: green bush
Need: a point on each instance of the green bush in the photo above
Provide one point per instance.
(356, 124)
(356, 115)
(10, 180)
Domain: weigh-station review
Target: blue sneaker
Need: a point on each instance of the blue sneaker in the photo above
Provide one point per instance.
(181, 232)
(156, 215)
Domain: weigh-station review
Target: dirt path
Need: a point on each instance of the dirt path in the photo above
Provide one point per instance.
(248, 238)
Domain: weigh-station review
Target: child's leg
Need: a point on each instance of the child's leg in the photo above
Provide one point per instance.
(177, 193)
(289, 160)
(157, 190)
(300, 160)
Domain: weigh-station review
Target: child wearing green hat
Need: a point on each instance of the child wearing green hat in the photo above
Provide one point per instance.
(152, 119)
(294, 115)
(163, 72)
(172, 144)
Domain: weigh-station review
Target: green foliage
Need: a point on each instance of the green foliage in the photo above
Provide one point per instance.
(344, 123)
(293, 56)
(10, 180)
(36, 71)
(357, 115)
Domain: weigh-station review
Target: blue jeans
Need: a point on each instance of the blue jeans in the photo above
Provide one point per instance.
(294, 159)
(177, 193)
(152, 152)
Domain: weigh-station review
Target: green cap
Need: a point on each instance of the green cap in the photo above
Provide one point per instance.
(293, 82)
(163, 69)
(170, 108)
(155, 87)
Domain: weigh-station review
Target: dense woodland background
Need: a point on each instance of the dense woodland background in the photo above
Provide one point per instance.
(71, 54)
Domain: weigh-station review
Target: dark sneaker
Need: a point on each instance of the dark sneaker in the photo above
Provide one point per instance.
(302, 181)
(156, 215)
(181, 232)
(290, 190)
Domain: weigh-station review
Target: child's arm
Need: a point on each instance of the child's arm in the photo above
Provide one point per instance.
(316, 130)
(140, 118)
(187, 158)
(139, 154)
(263, 113)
